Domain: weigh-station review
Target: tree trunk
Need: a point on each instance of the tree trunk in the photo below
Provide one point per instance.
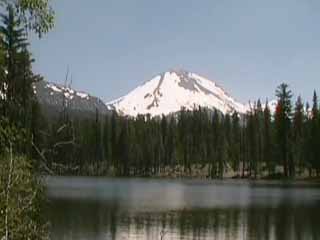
(7, 230)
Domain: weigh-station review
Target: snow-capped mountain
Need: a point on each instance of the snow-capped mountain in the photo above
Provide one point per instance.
(170, 91)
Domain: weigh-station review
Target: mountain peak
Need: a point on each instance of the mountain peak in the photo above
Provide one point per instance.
(170, 91)
(178, 70)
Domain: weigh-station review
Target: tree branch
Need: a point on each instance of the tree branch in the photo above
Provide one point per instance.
(43, 158)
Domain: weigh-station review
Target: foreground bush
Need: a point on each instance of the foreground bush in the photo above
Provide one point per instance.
(21, 200)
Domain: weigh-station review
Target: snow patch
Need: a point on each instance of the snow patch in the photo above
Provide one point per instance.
(53, 87)
(66, 91)
(82, 95)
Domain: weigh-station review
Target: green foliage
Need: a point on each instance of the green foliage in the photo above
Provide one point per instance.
(10, 135)
(21, 194)
(315, 135)
(13, 36)
(298, 133)
(283, 125)
(37, 15)
(268, 146)
(18, 104)
(21, 200)
(16, 84)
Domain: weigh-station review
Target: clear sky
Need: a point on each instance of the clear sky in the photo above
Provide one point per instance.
(247, 46)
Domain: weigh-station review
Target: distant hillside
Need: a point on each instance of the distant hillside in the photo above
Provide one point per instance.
(52, 97)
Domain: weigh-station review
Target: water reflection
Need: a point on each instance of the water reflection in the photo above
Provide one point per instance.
(123, 209)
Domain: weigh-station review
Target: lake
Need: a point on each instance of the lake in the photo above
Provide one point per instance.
(119, 208)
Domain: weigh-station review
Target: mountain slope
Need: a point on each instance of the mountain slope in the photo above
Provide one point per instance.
(52, 96)
(172, 90)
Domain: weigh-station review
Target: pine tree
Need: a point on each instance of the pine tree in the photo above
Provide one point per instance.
(252, 143)
(18, 102)
(267, 140)
(213, 139)
(259, 134)
(171, 146)
(235, 143)
(222, 149)
(123, 148)
(114, 139)
(307, 145)
(243, 146)
(283, 125)
(13, 43)
(298, 134)
(315, 135)
(107, 141)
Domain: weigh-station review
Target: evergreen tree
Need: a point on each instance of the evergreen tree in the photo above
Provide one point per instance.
(123, 150)
(315, 135)
(215, 138)
(252, 143)
(307, 145)
(259, 134)
(107, 141)
(298, 134)
(114, 138)
(13, 44)
(283, 125)
(18, 102)
(222, 148)
(235, 143)
(267, 140)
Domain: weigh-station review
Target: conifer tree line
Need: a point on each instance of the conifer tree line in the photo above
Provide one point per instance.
(285, 143)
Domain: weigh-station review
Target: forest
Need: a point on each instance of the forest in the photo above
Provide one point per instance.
(259, 144)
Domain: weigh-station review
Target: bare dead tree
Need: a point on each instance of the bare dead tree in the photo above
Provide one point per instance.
(163, 233)
(53, 148)
(64, 125)
(44, 159)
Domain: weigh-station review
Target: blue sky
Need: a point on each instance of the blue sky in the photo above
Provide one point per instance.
(247, 46)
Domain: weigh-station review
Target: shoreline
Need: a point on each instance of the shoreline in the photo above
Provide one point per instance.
(288, 182)
(195, 172)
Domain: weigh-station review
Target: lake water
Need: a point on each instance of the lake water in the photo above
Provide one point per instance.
(105, 208)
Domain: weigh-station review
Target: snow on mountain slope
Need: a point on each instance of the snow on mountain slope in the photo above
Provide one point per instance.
(172, 90)
(52, 95)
